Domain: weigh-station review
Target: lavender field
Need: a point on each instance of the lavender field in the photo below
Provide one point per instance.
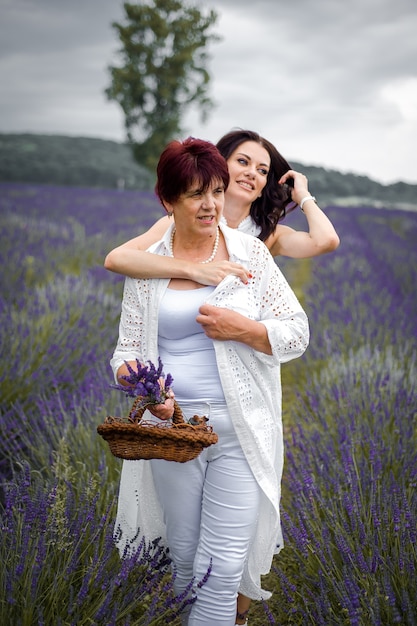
(350, 410)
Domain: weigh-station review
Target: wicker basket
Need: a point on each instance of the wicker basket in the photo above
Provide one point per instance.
(174, 440)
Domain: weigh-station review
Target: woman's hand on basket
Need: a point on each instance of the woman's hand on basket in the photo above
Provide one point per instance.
(163, 411)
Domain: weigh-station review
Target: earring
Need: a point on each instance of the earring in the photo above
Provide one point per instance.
(170, 213)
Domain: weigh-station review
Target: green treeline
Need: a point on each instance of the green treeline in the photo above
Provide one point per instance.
(72, 161)
(89, 162)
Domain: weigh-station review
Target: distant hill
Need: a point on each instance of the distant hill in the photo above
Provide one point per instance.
(333, 187)
(73, 161)
(89, 162)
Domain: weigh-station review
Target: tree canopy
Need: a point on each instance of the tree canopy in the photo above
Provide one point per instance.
(163, 71)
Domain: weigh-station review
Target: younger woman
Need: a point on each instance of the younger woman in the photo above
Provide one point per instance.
(262, 186)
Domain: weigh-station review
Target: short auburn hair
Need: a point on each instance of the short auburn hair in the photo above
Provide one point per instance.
(185, 163)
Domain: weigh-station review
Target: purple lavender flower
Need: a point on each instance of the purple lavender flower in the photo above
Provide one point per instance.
(146, 382)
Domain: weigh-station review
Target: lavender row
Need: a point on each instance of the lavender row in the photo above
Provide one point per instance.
(349, 504)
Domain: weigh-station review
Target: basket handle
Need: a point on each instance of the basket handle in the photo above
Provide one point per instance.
(136, 412)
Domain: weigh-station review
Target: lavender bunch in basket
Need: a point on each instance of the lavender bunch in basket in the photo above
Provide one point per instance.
(148, 383)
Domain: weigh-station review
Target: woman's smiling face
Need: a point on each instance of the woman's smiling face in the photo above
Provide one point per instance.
(248, 167)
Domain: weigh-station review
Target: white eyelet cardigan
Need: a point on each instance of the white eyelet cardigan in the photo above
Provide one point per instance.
(251, 384)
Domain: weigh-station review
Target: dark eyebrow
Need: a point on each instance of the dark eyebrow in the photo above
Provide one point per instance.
(250, 159)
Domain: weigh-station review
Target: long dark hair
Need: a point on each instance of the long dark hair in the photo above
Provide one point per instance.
(271, 207)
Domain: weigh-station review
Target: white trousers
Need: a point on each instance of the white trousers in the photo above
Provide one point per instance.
(210, 510)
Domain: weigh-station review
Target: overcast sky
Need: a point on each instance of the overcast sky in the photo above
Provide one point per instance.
(329, 82)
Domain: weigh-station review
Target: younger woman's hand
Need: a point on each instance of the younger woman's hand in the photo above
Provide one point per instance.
(213, 273)
(300, 188)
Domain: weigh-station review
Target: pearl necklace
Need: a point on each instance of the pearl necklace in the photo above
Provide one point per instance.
(211, 257)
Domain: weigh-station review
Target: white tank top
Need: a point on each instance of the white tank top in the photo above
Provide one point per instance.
(186, 352)
(247, 226)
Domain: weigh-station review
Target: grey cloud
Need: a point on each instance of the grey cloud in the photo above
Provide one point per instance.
(305, 69)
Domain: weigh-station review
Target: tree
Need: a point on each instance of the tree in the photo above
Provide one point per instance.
(163, 71)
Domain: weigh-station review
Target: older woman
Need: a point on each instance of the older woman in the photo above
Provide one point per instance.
(223, 346)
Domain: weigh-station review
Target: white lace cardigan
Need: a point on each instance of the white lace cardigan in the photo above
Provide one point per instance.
(251, 383)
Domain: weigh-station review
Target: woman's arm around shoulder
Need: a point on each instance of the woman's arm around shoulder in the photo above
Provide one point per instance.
(131, 259)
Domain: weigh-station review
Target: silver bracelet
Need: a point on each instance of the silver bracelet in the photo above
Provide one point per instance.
(305, 200)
